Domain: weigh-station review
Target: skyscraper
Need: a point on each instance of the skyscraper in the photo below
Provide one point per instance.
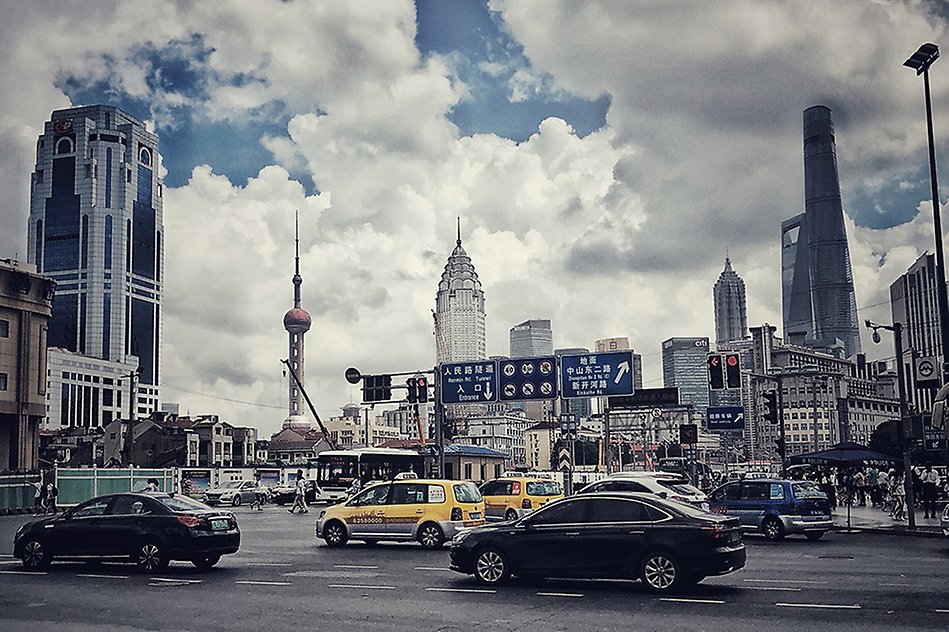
(96, 228)
(823, 266)
(731, 318)
(459, 310)
(683, 366)
(532, 338)
(297, 322)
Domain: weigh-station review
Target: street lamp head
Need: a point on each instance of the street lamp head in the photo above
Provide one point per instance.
(868, 324)
(876, 336)
(923, 58)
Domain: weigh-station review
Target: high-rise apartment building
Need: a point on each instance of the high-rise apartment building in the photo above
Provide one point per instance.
(532, 338)
(731, 312)
(459, 310)
(96, 228)
(913, 303)
(818, 292)
(684, 367)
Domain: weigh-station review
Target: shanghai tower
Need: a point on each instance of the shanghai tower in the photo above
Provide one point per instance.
(816, 262)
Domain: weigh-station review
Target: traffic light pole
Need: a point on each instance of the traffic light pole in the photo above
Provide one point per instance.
(439, 429)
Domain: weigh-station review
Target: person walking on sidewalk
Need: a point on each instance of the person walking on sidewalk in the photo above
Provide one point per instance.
(299, 498)
(930, 479)
(898, 491)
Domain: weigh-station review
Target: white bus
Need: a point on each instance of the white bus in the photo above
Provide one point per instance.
(336, 470)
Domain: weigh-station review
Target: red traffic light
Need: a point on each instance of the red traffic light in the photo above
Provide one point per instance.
(732, 360)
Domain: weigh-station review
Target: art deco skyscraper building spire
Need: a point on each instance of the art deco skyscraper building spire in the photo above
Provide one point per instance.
(459, 310)
(731, 318)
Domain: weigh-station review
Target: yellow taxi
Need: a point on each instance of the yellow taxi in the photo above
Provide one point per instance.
(510, 497)
(428, 510)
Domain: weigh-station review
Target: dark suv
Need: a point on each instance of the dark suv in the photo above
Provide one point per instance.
(775, 507)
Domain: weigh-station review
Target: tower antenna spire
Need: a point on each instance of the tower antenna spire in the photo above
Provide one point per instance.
(297, 279)
(459, 230)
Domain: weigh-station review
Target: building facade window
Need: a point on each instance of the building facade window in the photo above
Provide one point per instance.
(4, 328)
(64, 146)
(3, 381)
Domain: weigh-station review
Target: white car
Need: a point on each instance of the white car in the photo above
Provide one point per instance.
(662, 484)
(233, 493)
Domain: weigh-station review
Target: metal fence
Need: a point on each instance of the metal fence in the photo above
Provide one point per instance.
(17, 491)
(81, 484)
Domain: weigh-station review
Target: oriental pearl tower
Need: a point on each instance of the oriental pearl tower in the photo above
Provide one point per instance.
(297, 322)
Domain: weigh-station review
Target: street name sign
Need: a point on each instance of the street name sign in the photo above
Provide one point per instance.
(468, 382)
(725, 418)
(596, 374)
(528, 378)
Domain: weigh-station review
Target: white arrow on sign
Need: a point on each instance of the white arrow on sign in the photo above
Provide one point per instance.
(487, 391)
(623, 370)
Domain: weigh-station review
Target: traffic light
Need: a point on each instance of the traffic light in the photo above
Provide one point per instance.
(422, 384)
(732, 370)
(689, 434)
(376, 388)
(770, 407)
(779, 443)
(716, 376)
(412, 384)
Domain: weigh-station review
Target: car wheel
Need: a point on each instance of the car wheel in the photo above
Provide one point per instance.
(660, 572)
(35, 556)
(430, 536)
(206, 562)
(151, 557)
(813, 536)
(491, 567)
(335, 534)
(236, 501)
(510, 515)
(772, 529)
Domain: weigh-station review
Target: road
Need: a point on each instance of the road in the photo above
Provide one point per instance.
(285, 579)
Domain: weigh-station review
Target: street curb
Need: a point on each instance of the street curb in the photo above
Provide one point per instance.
(889, 531)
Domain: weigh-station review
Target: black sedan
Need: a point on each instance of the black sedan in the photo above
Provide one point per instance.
(149, 529)
(602, 535)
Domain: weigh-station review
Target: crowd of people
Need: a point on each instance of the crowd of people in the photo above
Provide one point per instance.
(880, 487)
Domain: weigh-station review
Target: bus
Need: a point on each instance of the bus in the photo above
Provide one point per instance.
(337, 469)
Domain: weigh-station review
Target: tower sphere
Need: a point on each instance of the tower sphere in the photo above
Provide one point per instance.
(297, 321)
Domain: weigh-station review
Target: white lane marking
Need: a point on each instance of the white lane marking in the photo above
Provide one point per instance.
(269, 564)
(356, 566)
(6, 555)
(96, 576)
(433, 568)
(784, 581)
(23, 572)
(463, 590)
(899, 585)
(680, 600)
(11, 562)
(779, 588)
(261, 583)
(362, 586)
(175, 580)
(556, 594)
(832, 606)
(941, 611)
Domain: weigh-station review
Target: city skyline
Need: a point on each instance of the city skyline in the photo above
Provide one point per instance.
(580, 172)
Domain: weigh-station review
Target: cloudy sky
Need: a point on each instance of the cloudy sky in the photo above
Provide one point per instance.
(603, 157)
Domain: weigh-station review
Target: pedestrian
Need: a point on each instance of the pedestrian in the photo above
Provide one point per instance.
(51, 493)
(930, 479)
(299, 498)
(152, 485)
(898, 492)
(260, 494)
(38, 495)
(860, 487)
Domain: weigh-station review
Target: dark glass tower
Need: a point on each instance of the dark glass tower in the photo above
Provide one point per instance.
(820, 272)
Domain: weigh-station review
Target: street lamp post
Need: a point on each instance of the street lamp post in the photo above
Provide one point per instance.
(920, 61)
(897, 329)
(130, 428)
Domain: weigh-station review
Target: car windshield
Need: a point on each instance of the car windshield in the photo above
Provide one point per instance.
(680, 486)
(230, 485)
(181, 503)
(467, 493)
(543, 488)
(807, 490)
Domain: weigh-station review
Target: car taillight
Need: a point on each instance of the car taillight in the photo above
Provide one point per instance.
(716, 530)
(456, 513)
(190, 521)
(515, 488)
(526, 503)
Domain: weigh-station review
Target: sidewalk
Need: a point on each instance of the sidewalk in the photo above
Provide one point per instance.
(874, 519)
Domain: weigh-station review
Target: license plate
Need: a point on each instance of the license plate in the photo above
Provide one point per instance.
(221, 524)
(474, 515)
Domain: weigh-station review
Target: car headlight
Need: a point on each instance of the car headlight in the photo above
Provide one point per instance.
(322, 513)
(945, 513)
(20, 531)
(460, 537)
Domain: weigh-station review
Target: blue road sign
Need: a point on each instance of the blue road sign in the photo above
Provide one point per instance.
(596, 374)
(469, 382)
(725, 418)
(528, 378)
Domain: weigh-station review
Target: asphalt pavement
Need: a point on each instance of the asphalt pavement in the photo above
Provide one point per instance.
(283, 578)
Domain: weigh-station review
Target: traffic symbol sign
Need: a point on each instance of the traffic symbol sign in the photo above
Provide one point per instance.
(927, 372)
(563, 459)
(528, 378)
(725, 418)
(596, 374)
(469, 382)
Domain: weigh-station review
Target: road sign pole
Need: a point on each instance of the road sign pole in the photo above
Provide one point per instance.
(439, 431)
(607, 447)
